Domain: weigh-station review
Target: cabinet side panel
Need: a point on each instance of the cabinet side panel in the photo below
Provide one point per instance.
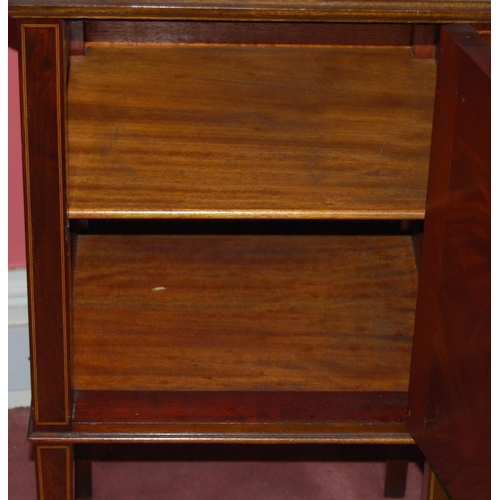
(42, 72)
(452, 349)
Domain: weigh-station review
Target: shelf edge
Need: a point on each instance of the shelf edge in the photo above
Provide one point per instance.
(247, 214)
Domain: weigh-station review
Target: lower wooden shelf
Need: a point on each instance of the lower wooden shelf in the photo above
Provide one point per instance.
(242, 337)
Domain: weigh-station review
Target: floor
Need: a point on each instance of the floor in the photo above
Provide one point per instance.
(231, 472)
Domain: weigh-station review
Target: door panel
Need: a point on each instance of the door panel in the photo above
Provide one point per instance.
(449, 398)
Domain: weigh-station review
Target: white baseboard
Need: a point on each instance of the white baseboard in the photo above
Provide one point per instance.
(18, 339)
(18, 298)
(19, 399)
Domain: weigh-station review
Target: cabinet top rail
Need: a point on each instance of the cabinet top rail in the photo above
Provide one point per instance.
(418, 11)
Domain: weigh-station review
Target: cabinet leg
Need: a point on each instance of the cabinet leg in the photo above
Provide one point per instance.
(83, 473)
(54, 472)
(396, 472)
(432, 489)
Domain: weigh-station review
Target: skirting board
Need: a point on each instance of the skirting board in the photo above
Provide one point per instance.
(18, 298)
(19, 399)
(18, 344)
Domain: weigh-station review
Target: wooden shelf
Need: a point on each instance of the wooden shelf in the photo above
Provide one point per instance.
(243, 313)
(226, 131)
(242, 337)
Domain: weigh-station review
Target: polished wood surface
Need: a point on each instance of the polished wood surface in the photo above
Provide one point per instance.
(241, 433)
(42, 61)
(450, 386)
(243, 337)
(215, 313)
(83, 473)
(424, 39)
(484, 29)
(244, 416)
(260, 132)
(265, 407)
(54, 471)
(432, 488)
(420, 11)
(396, 471)
(245, 32)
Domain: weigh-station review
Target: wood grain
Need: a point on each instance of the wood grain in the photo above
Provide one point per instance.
(433, 488)
(42, 59)
(248, 416)
(144, 407)
(218, 313)
(256, 132)
(54, 475)
(484, 29)
(450, 389)
(242, 32)
(158, 433)
(421, 11)
(424, 40)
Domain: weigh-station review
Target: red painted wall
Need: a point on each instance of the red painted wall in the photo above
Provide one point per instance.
(17, 255)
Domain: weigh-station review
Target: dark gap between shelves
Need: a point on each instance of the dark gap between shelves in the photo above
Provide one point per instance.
(246, 227)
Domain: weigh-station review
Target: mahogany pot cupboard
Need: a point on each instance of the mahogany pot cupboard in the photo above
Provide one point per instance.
(258, 222)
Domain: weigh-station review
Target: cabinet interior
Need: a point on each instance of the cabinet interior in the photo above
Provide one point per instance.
(245, 201)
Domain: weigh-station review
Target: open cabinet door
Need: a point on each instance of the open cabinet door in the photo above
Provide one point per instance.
(449, 395)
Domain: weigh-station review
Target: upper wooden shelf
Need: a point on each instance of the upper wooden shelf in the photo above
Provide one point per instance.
(424, 11)
(227, 131)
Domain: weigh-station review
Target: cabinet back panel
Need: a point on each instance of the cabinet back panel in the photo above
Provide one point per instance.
(247, 32)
